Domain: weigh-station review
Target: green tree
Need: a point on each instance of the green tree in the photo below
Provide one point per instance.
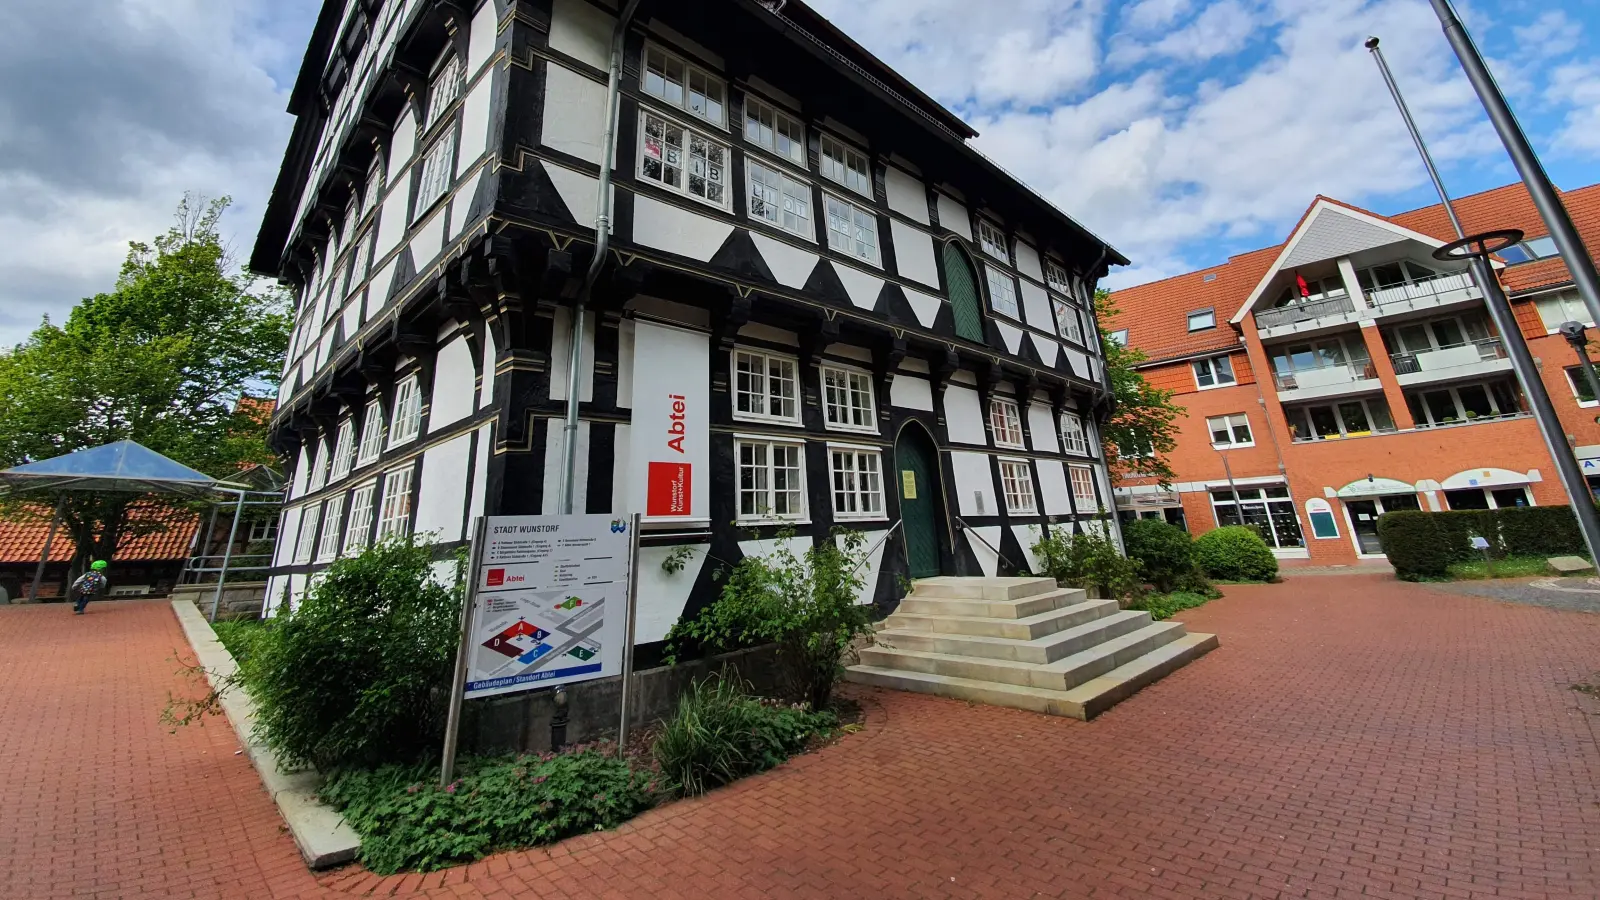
(1143, 429)
(161, 359)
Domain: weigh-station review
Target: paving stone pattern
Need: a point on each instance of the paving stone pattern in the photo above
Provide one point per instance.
(1576, 594)
(1353, 737)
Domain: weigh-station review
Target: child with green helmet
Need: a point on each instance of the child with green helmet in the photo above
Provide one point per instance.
(91, 585)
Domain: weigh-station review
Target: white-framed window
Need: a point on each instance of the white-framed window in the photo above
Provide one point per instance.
(846, 165)
(1269, 510)
(1118, 337)
(682, 160)
(857, 482)
(1232, 430)
(1081, 479)
(395, 517)
(1016, 480)
(847, 400)
(1006, 420)
(772, 481)
(358, 526)
(407, 412)
(1202, 319)
(344, 450)
(1056, 277)
(1002, 292)
(318, 463)
(993, 240)
(446, 87)
(358, 266)
(685, 86)
(779, 200)
(1559, 309)
(1072, 436)
(852, 229)
(263, 530)
(438, 170)
(1213, 372)
(1527, 251)
(766, 387)
(308, 533)
(328, 547)
(371, 434)
(1578, 380)
(369, 199)
(1068, 324)
(773, 130)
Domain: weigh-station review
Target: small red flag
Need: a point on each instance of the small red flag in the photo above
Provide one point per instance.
(1305, 290)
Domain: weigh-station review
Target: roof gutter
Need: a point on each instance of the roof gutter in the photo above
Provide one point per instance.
(602, 245)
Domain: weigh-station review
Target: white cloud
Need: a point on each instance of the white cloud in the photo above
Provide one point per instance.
(1576, 86)
(1221, 29)
(1149, 15)
(1552, 34)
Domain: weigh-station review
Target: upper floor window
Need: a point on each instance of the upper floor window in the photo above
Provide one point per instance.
(1527, 251)
(847, 399)
(1056, 277)
(1230, 431)
(371, 433)
(1214, 372)
(780, 200)
(395, 517)
(1461, 403)
(1561, 308)
(407, 412)
(1006, 421)
(307, 541)
(771, 480)
(846, 165)
(446, 87)
(1579, 383)
(765, 386)
(683, 160)
(358, 527)
(1118, 337)
(438, 171)
(1304, 290)
(328, 547)
(993, 240)
(1334, 421)
(1002, 292)
(1081, 479)
(1068, 324)
(857, 483)
(1390, 275)
(683, 85)
(1201, 319)
(1016, 477)
(344, 449)
(852, 229)
(263, 530)
(1072, 436)
(774, 131)
(369, 199)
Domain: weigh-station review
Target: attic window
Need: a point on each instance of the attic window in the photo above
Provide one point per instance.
(1201, 319)
(1210, 277)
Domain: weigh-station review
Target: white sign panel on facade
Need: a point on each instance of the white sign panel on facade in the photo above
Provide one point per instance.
(669, 476)
(551, 598)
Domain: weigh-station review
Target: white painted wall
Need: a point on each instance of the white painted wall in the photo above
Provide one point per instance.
(302, 472)
(1036, 306)
(480, 473)
(288, 536)
(974, 478)
(1053, 485)
(662, 597)
(1011, 335)
(577, 191)
(1042, 428)
(559, 353)
(790, 265)
(925, 306)
(453, 378)
(402, 145)
(480, 41)
(554, 474)
(475, 122)
(574, 113)
(428, 240)
(963, 416)
(862, 288)
(461, 206)
(667, 227)
(444, 487)
(988, 559)
(911, 392)
(1028, 261)
(1027, 536)
(581, 31)
(486, 388)
(953, 216)
(392, 219)
(907, 196)
(872, 565)
(913, 253)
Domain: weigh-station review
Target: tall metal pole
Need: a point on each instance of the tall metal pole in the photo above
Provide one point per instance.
(1527, 372)
(227, 556)
(49, 539)
(627, 643)
(1533, 174)
(1578, 337)
(458, 682)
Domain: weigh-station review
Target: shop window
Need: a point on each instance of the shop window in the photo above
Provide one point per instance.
(1270, 511)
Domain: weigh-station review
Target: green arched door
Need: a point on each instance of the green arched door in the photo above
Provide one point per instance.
(966, 305)
(921, 499)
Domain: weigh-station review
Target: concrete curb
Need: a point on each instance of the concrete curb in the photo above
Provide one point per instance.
(323, 836)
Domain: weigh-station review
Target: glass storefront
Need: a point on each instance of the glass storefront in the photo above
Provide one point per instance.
(1268, 510)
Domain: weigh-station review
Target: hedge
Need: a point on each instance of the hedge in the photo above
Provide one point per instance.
(1235, 553)
(1424, 544)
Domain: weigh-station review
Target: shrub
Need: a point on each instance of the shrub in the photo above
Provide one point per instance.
(1087, 560)
(1165, 606)
(240, 637)
(1425, 544)
(406, 821)
(1540, 531)
(1165, 552)
(1235, 553)
(806, 604)
(357, 674)
(719, 734)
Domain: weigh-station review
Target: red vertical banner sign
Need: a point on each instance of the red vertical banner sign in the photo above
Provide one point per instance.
(669, 438)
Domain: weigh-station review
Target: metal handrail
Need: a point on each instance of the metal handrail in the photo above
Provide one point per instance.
(1360, 370)
(1305, 312)
(1406, 363)
(998, 555)
(886, 535)
(1420, 290)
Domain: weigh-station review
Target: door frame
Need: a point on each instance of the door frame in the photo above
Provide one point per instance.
(1350, 521)
(942, 513)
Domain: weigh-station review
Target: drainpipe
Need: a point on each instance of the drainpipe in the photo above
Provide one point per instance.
(602, 243)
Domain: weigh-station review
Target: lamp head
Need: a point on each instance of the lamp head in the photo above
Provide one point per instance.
(1573, 332)
(1372, 43)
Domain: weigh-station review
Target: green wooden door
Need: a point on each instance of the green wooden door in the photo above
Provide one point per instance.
(966, 305)
(917, 479)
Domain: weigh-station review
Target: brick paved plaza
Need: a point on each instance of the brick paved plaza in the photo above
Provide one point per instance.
(1354, 737)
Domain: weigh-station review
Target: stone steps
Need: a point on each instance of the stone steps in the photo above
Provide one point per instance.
(1023, 629)
(1039, 651)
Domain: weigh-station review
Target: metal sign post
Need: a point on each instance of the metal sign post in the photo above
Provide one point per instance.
(627, 643)
(458, 683)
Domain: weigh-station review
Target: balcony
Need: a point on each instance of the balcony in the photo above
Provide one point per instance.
(1302, 318)
(1429, 293)
(1467, 360)
(1330, 380)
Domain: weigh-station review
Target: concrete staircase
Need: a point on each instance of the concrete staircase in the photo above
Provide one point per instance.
(1024, 643)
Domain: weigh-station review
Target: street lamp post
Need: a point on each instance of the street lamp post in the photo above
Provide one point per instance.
(1576, 335)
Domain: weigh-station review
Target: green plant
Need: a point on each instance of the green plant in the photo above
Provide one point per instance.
(1165, 552)
(1235, 553)
(406, 821)
(719, 733)
(677, 560)
(356, 674)
(1423, 545)
(1540, 531)
(1087, 560)
(1165, 606)
(805, 603)
(240, 636)
(1509, 567)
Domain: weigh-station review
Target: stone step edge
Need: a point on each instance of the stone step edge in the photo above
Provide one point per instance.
(1024, 621)
(1097, 695)
(1043, 642)
(1063, 665)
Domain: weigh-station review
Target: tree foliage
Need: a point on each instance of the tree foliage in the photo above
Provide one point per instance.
(1143, 429)
(160, 359)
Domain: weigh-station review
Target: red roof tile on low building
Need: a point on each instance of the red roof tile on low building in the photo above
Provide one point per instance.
(22, 540)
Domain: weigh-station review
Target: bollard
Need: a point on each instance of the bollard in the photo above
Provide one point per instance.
(558, 722)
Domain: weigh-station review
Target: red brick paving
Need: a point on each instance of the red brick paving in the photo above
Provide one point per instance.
(1354, 737)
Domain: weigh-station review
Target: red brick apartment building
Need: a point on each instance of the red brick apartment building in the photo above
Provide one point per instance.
(1346, 373)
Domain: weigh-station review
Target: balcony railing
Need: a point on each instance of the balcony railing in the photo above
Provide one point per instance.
(1419, 294)
(1305, 312)
(1474, 418)
(1330, 375)
(1464, 354)
(1296, 437)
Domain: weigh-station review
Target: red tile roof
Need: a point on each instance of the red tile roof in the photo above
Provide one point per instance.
(22, 540)
(1156, 314)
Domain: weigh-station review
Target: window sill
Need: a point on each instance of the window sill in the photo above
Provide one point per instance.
(766, 420)
(400, 442)
(1212, 387)
(770, 521)
(856, 517)
(425, 211)
(1022, 512)
(1216, 446)
(851, 429)
(999, 446)
(777, 229)
(1588, 404)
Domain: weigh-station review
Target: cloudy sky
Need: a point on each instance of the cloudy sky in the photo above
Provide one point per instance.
(1180, 130)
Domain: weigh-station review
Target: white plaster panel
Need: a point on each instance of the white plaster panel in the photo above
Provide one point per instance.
(862, 288)
(1011, 334)
(297, 590)
(444, 573)
(480, 41)
(1042, 425)
(486, 389)
(913, 253)
(444, 486)
(625, 338)
(428, 240)
(953, 216)
(1053, 485)
(475, 122)
(453, 381)
(663, 596)
(849, 351)
(1027, 536)
(577, 191)
(302, 473)
(1080, 362)
(553, 473)
(910, 392)
(988, 559)
(581, 31)
(763, 332)
(925, 306)
(1049, 351)
(963, 416)
(288, 536)
(378, 289)
(352, 317)
(480, 474)
(907, 195)
(307, 369)
(461, 206)
(974, 480)
(1036, 307)
(765, 548)
(275, 585)
(622, 453)
(790, 265)
(574, 113)
(675, 230)
(404, 142)
(870, 567)
(1028, 261)
(560, 347)
(392, 219)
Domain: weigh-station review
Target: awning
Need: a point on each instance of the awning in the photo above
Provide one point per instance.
(1476, 478)
(123, 466)
(1373, 487)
